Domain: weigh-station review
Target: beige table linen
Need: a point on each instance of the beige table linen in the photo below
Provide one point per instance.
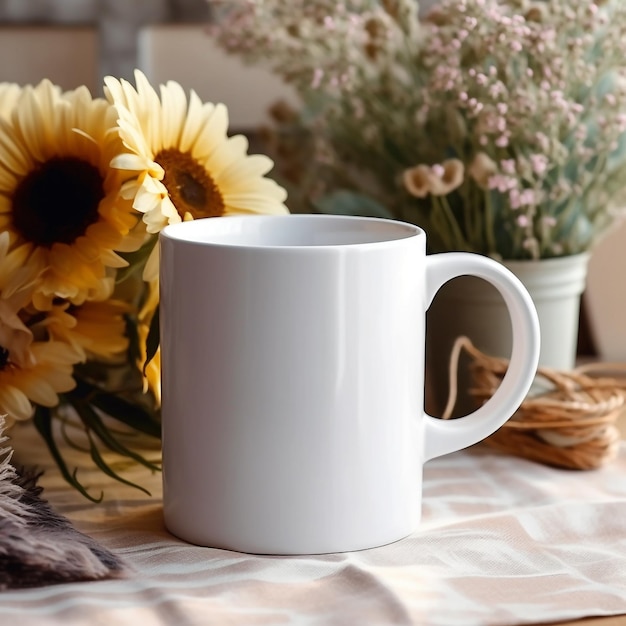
(503, 541)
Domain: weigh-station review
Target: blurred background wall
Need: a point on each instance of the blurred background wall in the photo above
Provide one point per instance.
(116, 21)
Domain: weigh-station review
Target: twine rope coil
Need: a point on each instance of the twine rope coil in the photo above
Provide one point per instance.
(568, 422)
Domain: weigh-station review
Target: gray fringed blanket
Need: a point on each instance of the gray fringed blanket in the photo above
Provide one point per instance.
(37, 545)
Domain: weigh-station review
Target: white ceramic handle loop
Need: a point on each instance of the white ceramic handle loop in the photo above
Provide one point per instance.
(445, 436)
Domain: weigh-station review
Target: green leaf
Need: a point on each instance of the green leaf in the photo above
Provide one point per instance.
(131, 414)
(344, 202)
(94, 423)
(153, 339)
(102, 465)
(43, 423)
(133, 351)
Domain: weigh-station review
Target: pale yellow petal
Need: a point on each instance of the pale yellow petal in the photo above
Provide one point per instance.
(14, 402)
(151, 269)
(254, 166)
(9, 94)
(131, 162)
(148, 197)
(40, 391)
(174, 106)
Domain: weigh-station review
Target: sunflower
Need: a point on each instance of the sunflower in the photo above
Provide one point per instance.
(186, 165)
(58, 194)
(39, 382)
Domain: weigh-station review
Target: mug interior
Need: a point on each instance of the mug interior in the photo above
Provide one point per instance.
(290, 230)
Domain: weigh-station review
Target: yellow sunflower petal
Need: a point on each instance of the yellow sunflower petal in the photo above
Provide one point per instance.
(203, 121)
(14, 402)
(15, 161)
(113, 260)
(148, 197)
(131, 162)
(151, 268)
(252, 168)
(250, 205)
(227, 154)
(40, 391)
(175, 102)
(9, 94)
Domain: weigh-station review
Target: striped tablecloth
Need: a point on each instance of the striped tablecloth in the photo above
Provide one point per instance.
(503, 541)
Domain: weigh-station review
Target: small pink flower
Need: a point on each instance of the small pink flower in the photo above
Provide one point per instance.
(514, 199)
(508, 166)
(318, 74)
(527, 197)
(437, 170)
(548, 221)
(539, 163)
(502, 183)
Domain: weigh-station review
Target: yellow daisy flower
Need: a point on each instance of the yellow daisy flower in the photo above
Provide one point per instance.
(40, 382)
(58, 194)
(187, 166)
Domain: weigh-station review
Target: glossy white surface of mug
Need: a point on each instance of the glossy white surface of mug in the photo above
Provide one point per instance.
(293, 381)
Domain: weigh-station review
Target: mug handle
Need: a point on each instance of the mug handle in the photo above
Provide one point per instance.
(445, 436)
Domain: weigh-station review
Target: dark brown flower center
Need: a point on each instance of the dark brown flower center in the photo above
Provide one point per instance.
(57, 201)
(191, 188)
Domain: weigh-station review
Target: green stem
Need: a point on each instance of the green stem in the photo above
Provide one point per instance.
(43, 424)
(441, 203)
(489, 232)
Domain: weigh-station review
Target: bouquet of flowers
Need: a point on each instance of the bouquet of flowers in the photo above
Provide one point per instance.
(86, 184)
(497, 125)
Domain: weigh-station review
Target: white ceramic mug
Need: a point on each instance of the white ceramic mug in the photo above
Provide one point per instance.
(292, 352)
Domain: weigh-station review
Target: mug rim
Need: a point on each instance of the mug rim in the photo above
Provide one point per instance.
(396, 232)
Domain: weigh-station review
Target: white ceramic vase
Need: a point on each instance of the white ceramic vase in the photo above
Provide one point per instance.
(469, 306)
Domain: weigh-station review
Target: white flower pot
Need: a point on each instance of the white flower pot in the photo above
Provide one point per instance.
(470, 306)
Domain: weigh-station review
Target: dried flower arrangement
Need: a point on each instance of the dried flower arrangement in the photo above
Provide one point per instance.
(497, 125)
